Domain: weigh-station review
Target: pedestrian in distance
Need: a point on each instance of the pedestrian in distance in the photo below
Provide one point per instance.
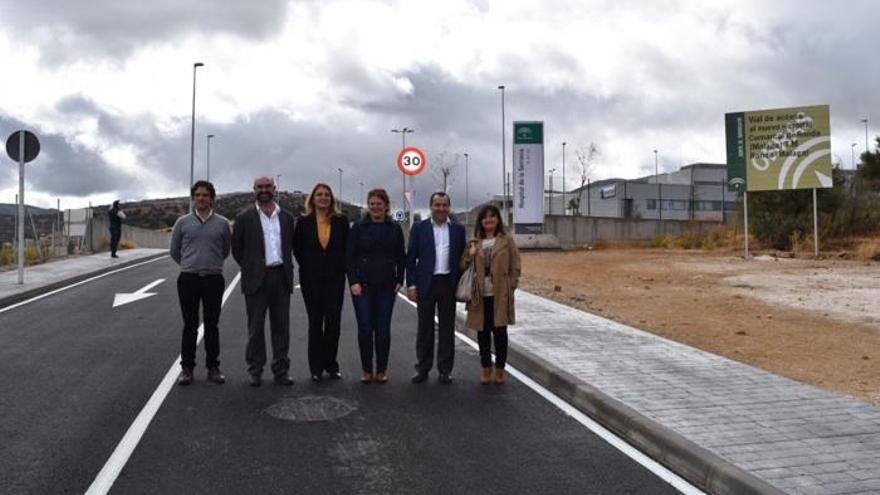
(116, 216)
(319, 241)
(432, 270)
(375, 262)
(497, 268)
(200, 242)
(262, 245)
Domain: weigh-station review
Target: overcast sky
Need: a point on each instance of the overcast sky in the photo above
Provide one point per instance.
(302, 88)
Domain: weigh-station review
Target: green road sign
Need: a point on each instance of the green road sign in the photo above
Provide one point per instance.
(785, 148)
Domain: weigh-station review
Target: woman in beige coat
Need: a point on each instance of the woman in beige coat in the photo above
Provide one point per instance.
(497, 264)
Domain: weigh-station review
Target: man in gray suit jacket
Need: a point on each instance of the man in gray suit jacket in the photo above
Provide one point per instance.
(262, 243)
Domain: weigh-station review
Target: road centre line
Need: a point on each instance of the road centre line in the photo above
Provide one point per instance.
(655, 467)
(81, 282)
(108, 474)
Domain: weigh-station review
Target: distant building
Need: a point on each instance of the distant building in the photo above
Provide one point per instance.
(697, 191)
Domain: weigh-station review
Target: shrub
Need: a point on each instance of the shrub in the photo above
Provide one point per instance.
(7, 256)
(869, 250)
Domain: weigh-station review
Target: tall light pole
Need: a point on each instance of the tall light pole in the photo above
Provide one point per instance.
(192, 138)
(852, 148)
(208, 161)
(550, 200)
(278, 182)
(340, 185)
(563, 178)
(403, 132)
(865, 121)
(504, 210)
(467, 195)
(363, 200)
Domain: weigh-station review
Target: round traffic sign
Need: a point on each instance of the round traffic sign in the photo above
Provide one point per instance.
(411, 161)
(399, 215)
(31, 146)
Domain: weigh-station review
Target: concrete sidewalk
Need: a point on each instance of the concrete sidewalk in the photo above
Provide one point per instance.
(46, 277)
(725, 426)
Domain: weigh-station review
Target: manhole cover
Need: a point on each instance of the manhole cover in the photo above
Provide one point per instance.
(311, 408)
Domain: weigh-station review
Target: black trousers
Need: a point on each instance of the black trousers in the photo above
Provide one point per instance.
(373, 309)
(442, 300)
(193, 289)
(115, 235)
(323, 299)
(491, 332)
(274, 297)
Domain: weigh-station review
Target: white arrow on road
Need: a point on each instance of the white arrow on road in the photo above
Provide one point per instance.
(125, 298)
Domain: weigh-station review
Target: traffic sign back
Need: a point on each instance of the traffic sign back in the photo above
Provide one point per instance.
(31, 146)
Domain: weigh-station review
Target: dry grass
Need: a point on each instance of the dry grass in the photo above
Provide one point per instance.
(614, 244)
(868, 249)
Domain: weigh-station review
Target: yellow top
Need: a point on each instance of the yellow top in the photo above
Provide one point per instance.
(323, 230)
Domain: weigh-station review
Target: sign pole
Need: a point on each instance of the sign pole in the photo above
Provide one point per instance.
(746, 220)
(815, 225)
(412, 198)
(20, 208)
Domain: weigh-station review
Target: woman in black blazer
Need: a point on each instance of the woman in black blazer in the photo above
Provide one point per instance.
(375, 260)
(319, 241)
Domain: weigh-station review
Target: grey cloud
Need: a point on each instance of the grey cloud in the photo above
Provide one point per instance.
(63, 168)
(71, 31)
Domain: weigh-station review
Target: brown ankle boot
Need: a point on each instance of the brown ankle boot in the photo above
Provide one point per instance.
(499, 376)
(485, 375)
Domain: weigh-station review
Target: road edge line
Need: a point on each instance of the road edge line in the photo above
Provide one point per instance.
(118, 459)
(674, 479)
(37, 293)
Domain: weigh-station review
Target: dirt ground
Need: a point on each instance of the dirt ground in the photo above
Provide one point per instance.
(815, 321)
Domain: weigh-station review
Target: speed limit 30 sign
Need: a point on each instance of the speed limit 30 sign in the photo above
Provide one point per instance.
(411, 161)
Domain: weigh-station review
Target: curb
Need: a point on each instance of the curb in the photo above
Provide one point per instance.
(36, 291)
(699, 466)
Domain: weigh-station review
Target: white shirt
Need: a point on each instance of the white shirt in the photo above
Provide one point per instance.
(206, 217)
(271, 236)
(441, 247)
(486, 246)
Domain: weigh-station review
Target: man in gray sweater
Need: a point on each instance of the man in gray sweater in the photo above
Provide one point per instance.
(199, 244)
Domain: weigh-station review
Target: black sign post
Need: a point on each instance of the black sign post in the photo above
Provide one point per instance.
(22, 146)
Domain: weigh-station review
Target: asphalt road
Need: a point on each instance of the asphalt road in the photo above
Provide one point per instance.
(76, 372)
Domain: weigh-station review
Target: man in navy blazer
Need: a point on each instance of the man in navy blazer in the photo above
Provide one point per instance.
(435, 248)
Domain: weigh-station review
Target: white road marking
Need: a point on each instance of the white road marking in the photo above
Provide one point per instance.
(126, 297)
(615, 441)
(96, 277)
(105, 479)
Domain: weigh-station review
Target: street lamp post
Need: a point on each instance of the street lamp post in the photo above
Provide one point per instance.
(467, 196)
(852, 148)
(340, 185)
(563, 178)
(504, 210)
(363, 201)
(865, 121)
(550, 200)
(278, 182)
(192, 138)
(208, 161)
(403, 132)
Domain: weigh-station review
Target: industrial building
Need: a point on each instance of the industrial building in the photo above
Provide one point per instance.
(697, 191)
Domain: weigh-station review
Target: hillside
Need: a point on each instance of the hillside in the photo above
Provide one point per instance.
(159, 213)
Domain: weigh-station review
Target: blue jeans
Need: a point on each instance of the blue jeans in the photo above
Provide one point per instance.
(373, 310)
